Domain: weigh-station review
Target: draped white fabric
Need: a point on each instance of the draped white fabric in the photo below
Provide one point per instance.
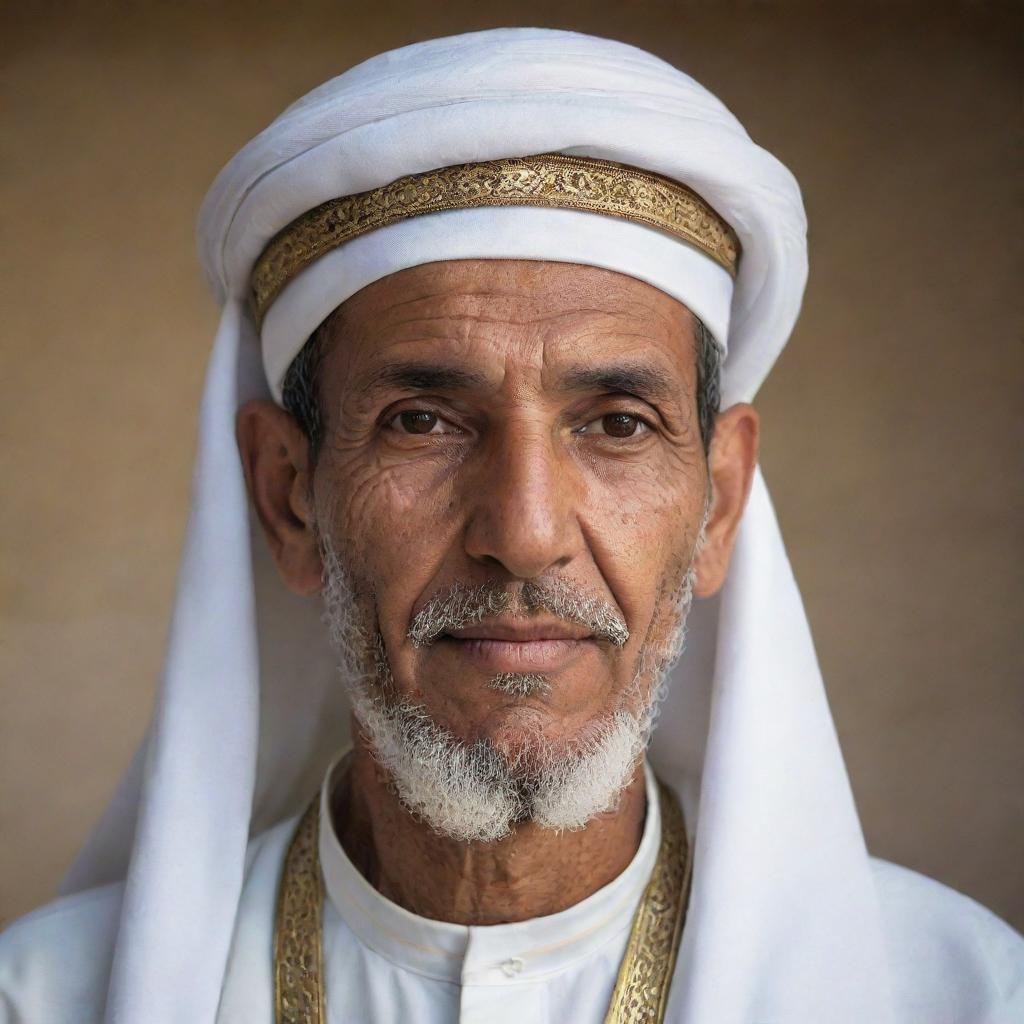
(784, 921)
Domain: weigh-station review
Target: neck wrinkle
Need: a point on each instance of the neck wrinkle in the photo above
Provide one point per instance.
(458, 953)
(533, 873)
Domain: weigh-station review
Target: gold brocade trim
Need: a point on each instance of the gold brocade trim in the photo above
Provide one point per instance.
(645, 975)
(549, 180)
(298, 953)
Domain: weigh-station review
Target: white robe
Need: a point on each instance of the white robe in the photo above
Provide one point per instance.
(953, 962)
(786, 919)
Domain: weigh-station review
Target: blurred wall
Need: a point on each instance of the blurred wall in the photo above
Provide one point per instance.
(892, 424)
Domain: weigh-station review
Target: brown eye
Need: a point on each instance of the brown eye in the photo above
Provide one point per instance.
(418, 421)
(620, 424)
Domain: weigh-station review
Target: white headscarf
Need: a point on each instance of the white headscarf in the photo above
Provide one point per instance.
(783, 921)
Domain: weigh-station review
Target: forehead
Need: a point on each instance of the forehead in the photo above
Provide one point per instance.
(471, 306)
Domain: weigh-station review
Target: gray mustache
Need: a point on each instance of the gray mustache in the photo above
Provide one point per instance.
(462, 605)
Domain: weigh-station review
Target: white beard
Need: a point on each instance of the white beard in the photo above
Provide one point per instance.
(471, 791)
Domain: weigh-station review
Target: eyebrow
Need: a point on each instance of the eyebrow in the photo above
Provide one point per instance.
(424, 377)
(632, 378)
(629, 378)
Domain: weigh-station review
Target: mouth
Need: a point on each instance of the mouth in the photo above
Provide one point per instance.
(532, 646)
(517, 656)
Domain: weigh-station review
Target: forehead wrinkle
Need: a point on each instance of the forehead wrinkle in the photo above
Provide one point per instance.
(458, 328)
(633, 321)
(619, 307)
(619, 303)
(523, 280)
(610, 332)
(514, 321)
(644, 377)
(434, 328)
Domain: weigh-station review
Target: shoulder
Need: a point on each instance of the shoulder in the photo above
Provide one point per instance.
(54, 962)
(248, 992)
(952, 960)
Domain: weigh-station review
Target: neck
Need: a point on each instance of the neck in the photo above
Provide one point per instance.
(530, 873)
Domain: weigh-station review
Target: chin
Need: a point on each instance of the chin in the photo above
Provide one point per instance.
(529, 736)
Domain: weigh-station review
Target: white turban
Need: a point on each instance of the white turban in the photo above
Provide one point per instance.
(783, 921)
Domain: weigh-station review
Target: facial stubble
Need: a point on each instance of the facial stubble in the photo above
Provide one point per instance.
(471, 790)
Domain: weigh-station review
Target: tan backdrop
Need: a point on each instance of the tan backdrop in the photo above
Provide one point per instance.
(892, 424)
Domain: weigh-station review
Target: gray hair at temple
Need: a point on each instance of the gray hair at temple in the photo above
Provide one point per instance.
(301, 388)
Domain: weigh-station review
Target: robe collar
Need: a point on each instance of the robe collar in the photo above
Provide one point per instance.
(503, 954)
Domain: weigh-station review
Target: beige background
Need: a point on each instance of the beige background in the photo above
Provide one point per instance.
(892, 423)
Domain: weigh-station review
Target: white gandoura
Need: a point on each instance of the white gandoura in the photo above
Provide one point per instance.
(169, 911)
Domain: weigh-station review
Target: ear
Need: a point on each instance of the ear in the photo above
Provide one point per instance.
(731, 463)
(275, 457)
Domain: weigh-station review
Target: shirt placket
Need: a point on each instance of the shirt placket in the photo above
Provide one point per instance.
(495, 989)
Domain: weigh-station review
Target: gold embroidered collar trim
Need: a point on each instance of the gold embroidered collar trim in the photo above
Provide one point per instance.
(645, 974)
(298, 931)
(548, 180)
(641, 989)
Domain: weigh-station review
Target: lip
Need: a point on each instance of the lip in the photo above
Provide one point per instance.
(499, 655)
(521, 631)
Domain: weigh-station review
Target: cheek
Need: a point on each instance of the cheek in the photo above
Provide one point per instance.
(391, 525)
(665, 618)
(642, 523)
(664, 485)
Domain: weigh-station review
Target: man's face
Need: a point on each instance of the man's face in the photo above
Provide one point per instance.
(529, 429)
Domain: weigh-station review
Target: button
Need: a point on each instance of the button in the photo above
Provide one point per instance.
(511, 967)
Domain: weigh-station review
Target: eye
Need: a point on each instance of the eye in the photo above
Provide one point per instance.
(420, 421)
(616, 424)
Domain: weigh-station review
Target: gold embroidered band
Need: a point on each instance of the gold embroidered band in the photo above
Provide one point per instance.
(641, 990)
(298, 935)
(550, 180)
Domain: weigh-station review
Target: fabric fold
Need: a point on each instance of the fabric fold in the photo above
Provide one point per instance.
(188, 852)
(783, 922)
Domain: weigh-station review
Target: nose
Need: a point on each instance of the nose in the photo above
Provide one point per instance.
(523, 505)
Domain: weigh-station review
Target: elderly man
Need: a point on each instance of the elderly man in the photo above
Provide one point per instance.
(510, 293)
